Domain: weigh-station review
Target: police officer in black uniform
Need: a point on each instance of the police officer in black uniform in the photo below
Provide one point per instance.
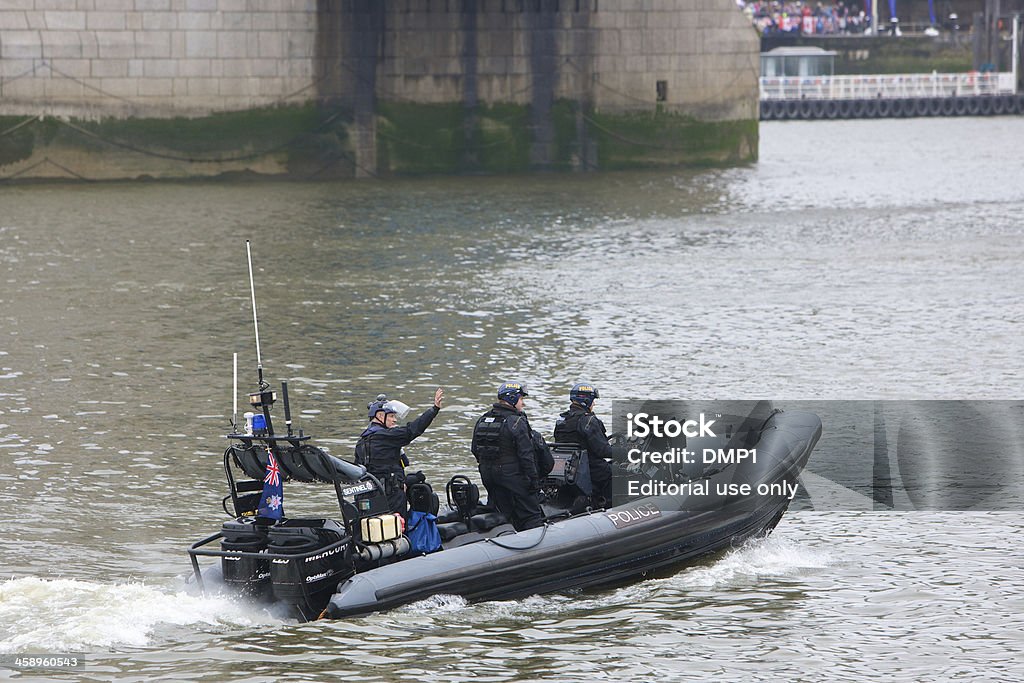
(381, 446)
(580, 426)
(503, 444)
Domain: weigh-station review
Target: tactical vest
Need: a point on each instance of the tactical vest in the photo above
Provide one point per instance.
(378, 460)
(567, 429)
(362, 451)
(486, 437)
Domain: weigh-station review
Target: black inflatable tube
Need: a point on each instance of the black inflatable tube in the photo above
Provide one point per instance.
(974, 106)
(491, 572)
(959, 106)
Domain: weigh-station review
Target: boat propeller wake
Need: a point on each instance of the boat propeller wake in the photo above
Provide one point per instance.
(71, 615)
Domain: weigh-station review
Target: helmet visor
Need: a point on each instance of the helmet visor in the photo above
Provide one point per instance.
(398, 408)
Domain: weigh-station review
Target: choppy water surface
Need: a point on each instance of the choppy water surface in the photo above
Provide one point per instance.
(859, 259)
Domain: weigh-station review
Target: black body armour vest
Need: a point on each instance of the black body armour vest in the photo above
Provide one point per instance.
(362, 452)
(376, 457)
(486, 436)
(567, 429)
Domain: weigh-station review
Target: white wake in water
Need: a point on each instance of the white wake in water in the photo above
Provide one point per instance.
(761, 558)
(67, 615)
(758, 560)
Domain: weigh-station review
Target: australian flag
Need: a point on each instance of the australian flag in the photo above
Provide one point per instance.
(272, 500)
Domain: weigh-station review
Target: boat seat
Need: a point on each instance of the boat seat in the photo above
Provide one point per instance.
(471, 537)
(329, 469)
(306, 464)
(252, 460)
(450, 530)
(294, 463)
(449, 516)
(487, 521)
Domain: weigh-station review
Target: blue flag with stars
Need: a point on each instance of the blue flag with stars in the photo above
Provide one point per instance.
(272, 500)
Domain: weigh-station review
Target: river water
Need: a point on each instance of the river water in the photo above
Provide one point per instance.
(855, 260)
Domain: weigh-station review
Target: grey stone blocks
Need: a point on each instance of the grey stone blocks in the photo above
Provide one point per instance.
(170, 57)
(153, 57)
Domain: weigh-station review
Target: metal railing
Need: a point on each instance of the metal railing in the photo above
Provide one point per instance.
(889, 86)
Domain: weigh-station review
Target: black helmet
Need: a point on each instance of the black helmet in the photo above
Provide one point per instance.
(376, 405)
(584, 394)
(389, 406)
(509, 392)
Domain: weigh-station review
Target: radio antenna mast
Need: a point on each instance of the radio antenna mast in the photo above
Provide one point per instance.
(255, 320)
(234, 393)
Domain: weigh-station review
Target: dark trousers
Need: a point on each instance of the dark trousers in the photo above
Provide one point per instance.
(394, 490)
(601, 478)
(398, 502)
(508, 490)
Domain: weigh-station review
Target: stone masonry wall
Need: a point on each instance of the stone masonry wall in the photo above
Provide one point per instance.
(96, 58)
(173, 57)
(172, 88)
(613, 52)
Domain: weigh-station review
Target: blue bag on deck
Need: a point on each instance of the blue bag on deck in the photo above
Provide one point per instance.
(422, 532)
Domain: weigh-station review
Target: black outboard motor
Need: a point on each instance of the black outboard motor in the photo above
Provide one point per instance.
(249, 575)
(319, 553)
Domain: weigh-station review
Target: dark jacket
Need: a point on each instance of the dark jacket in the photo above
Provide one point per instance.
(379, 449)
(580, 426)
(511, 443)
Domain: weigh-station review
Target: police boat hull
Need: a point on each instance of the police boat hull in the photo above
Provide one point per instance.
(604, 547)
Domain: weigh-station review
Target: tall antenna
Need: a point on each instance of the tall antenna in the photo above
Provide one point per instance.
(234, 393)
(255, 321)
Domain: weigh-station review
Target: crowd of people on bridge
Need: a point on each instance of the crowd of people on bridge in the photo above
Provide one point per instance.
(774, 17)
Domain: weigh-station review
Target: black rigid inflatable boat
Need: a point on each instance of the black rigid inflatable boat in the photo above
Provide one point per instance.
(361, 563)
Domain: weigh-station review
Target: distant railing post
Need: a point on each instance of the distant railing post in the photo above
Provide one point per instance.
(1015, 53)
